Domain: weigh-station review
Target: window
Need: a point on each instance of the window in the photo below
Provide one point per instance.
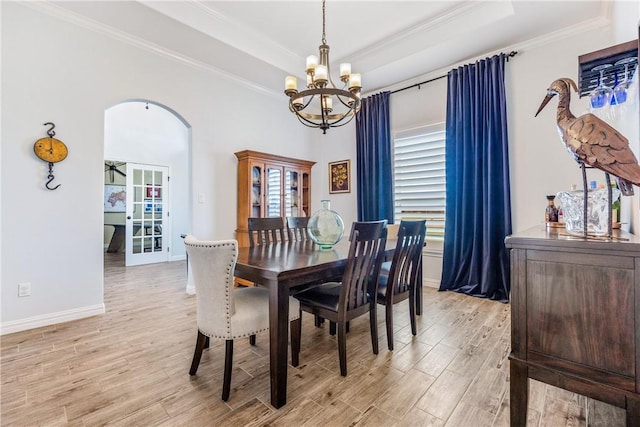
(419, 177)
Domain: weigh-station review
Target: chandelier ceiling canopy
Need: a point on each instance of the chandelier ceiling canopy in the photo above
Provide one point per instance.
(322, 104)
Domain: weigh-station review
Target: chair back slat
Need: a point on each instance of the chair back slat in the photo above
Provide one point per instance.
(366, 251)
(297, 228)
(264, 231)
(406, 258)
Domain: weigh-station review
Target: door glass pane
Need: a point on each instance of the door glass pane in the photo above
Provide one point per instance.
(137, 237)
(137, 176)
(273, 192)
(137, 212)
(148, 177)
(158, 179)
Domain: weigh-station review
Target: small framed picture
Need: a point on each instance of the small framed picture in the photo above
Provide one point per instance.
(340, 176)
(154, 192)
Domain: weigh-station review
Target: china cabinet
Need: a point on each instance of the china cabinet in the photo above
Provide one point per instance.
(270, 186)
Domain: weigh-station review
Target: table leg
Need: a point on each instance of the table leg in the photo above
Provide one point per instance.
(519, 393)
(633, 411)
(278, 343)
(419, 288)
(117, 240)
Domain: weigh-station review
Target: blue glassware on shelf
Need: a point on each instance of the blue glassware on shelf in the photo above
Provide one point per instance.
(601, 96)
(620, 90)
(616, 84)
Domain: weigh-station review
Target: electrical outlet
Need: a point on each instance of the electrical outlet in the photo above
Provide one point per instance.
(24, 289)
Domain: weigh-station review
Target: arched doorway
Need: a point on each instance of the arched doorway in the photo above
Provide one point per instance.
(146, 132)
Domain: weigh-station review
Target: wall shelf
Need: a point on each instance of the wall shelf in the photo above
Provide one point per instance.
(588, 79)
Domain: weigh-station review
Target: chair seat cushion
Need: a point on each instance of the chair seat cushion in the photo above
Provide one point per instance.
(251, 314)
(326, 296)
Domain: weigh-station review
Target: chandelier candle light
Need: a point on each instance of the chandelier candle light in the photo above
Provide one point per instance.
(320, 87)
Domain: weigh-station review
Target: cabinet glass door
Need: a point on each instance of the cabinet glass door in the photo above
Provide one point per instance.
(256, 191)
(306, 195)
(291, 196)
(273, 192)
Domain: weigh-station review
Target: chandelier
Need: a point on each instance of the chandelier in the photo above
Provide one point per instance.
(322, 104)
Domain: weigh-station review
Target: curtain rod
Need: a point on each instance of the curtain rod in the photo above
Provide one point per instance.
(509, 55)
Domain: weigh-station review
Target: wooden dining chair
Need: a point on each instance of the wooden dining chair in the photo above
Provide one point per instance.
(263, 231)
(343, 301)
(398, 279)
(297, 228)
(228, 313)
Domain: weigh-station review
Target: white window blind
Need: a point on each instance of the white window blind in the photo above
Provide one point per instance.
(273, 192)
(419, 177)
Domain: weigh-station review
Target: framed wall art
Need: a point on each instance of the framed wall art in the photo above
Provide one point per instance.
(115, 198)
(340, 176)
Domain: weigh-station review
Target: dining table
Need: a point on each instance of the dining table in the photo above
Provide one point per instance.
(284, 267)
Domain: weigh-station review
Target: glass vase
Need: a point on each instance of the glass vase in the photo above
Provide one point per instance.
(597, 210)
(325, 226)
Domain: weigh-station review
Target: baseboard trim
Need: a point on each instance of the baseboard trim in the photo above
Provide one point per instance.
(431, 283)
(50, 319)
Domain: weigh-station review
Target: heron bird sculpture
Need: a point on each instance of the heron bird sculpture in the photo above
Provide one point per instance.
(593, 142)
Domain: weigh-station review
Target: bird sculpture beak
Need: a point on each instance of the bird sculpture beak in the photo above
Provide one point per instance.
(545, 101)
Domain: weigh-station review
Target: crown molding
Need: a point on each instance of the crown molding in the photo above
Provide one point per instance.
(199, 15)
(570, 31)
(116, 34)
(468, 11)
(555, 36)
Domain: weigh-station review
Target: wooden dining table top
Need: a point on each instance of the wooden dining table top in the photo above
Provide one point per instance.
(294, 263)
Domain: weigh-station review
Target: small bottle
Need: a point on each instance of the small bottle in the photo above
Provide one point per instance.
(615, 208)
(551, 212)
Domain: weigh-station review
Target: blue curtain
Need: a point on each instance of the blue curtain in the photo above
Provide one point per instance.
(478, 212)
(373, 154)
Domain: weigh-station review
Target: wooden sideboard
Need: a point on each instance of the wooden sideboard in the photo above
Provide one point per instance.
(575, 318)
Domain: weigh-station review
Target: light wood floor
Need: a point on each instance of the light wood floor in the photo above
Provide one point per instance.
(130, 367)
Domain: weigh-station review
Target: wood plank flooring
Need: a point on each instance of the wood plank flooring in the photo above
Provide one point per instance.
(130, 367)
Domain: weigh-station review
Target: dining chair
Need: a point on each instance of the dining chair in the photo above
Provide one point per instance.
(263, 231)
(399, 278)
(297, 232)
(343, 301)
(227, 313)
(297, 228)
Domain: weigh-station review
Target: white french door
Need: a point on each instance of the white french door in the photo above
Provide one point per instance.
(147, 225)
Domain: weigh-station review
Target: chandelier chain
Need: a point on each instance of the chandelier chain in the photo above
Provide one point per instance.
(324, 37)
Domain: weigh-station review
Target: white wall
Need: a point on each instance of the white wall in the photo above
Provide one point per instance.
(55, 71)
(336, 144)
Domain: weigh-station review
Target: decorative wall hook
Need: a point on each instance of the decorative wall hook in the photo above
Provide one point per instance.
(51, 150)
